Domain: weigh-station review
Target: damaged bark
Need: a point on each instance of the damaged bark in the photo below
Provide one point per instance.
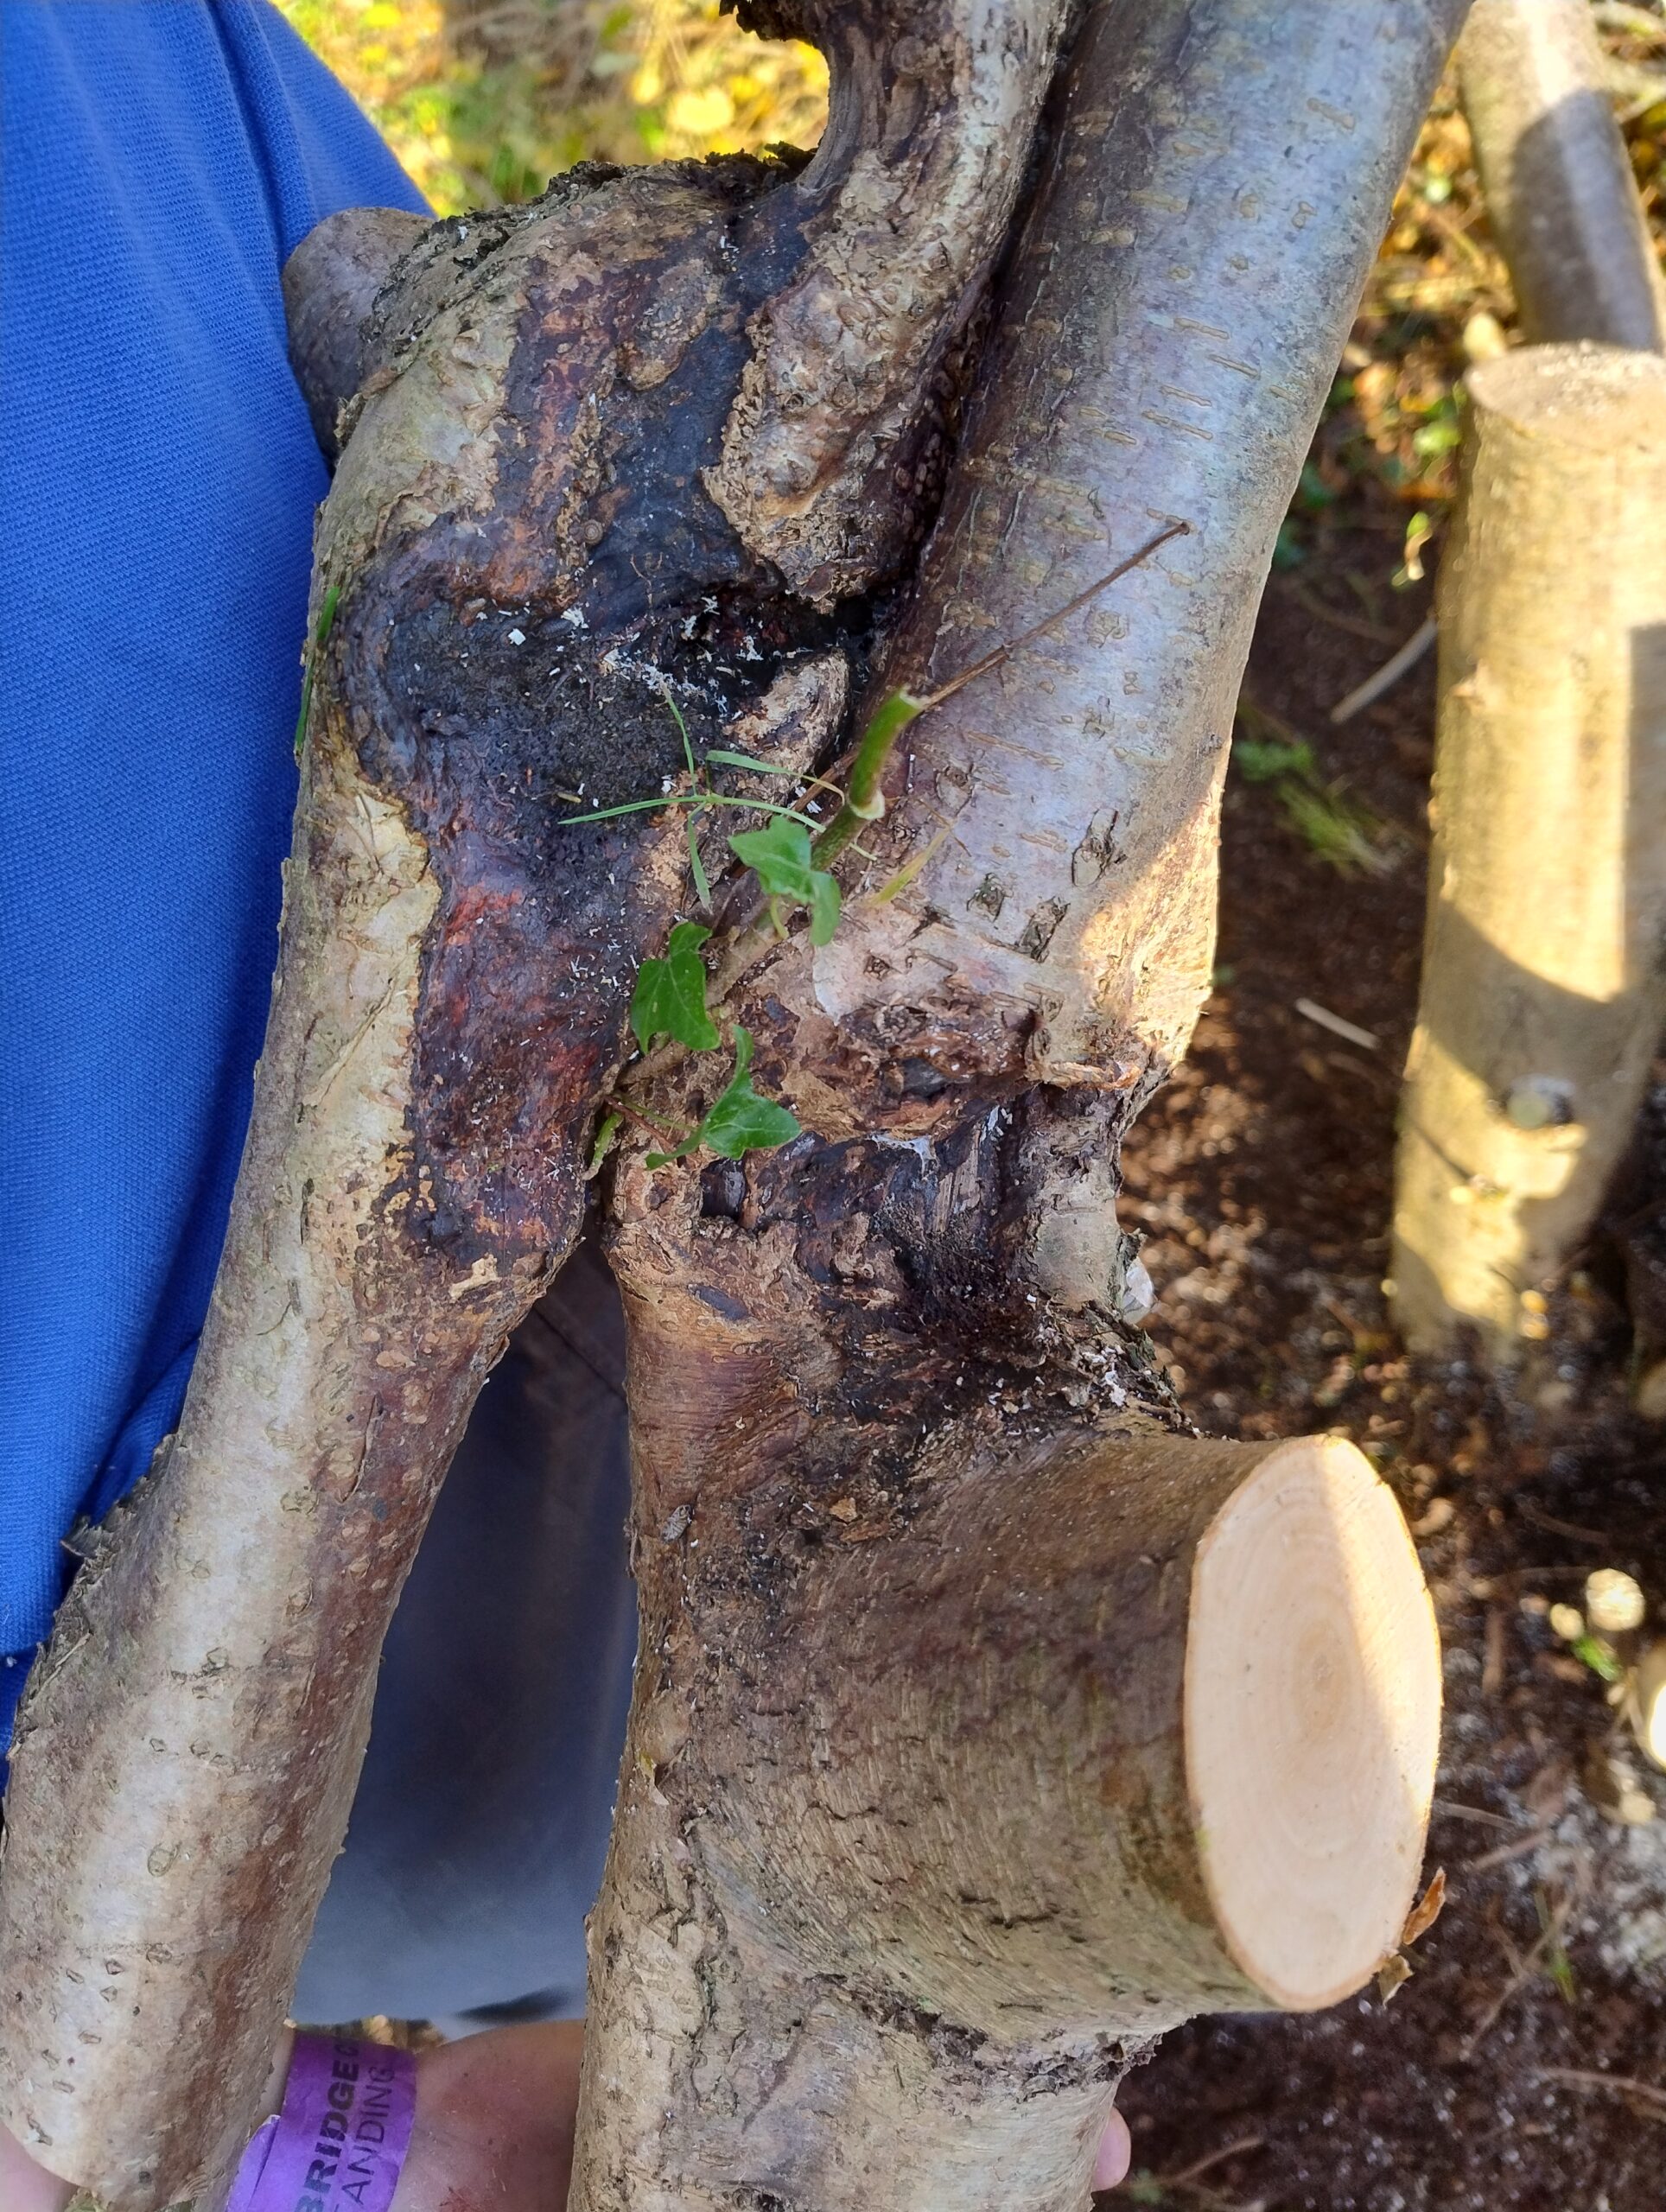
(924, 1561)
(978, 1733)
(908, 1831)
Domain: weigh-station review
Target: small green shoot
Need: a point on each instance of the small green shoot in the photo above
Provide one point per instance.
(697, 869)
(607, 1130)
(1335, 827)
(1557, 1964)
(321, 630)
(670, 998)
(1597, 1656)
(1334, 830)
(1419, 530)
(696, 799)
(740, 1122)
(727, 760)
(1263, 760)
(696, 866)
(780, 855)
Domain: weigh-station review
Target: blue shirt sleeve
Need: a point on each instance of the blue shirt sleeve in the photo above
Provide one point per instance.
(158, 160)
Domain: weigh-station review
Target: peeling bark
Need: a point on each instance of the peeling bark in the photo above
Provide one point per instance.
(672, 429)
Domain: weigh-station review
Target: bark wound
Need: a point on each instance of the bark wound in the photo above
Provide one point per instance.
(908, 1497)
(521, 555)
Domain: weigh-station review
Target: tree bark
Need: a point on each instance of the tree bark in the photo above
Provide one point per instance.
(517, 555)
(982, 1727)
(668, 428)
(1542, 999)
(1560, 190)
(826, 1971)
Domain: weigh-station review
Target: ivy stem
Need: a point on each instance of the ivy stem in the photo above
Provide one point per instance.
(620, 1105)
(864, 796)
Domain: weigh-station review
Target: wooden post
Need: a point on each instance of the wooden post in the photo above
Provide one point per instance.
(1558, 181)
(1542, 996)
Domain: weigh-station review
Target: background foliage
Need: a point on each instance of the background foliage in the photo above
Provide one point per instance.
(484, 100)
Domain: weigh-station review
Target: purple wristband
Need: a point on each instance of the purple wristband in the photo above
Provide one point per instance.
(339, 2145)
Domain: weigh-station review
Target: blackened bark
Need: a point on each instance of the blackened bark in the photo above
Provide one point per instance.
(669, 430)
(520, 556)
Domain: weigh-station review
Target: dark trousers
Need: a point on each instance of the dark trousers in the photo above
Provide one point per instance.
(481, 1819)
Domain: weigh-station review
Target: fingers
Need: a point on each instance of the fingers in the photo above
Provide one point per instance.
(25, 2187)
(494, 2122)
(1114, 2151)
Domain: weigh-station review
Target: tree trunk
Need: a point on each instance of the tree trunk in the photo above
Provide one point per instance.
(834, 1963)
(1542, 998)
(1560, 191)
(667, 430)
(981, 1727)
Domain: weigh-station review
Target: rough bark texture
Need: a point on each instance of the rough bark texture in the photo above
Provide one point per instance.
(670, 429)
(1542, 996)
(1560, 190)
(522, 555)
(905, 1333)
(908, 1858)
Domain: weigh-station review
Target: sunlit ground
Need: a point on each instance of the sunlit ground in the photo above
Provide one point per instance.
(484, 100)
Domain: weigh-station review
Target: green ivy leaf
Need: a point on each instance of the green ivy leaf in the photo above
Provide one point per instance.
(741, 1121)
(670, 998)
(780, 855)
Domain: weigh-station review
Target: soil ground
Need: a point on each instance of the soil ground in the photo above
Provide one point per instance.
(1523, 2066)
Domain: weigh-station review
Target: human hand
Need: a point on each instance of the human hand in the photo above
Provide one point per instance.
(25, 2187)
(493, 2130)
(495, 2114)
(1115, 2151)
